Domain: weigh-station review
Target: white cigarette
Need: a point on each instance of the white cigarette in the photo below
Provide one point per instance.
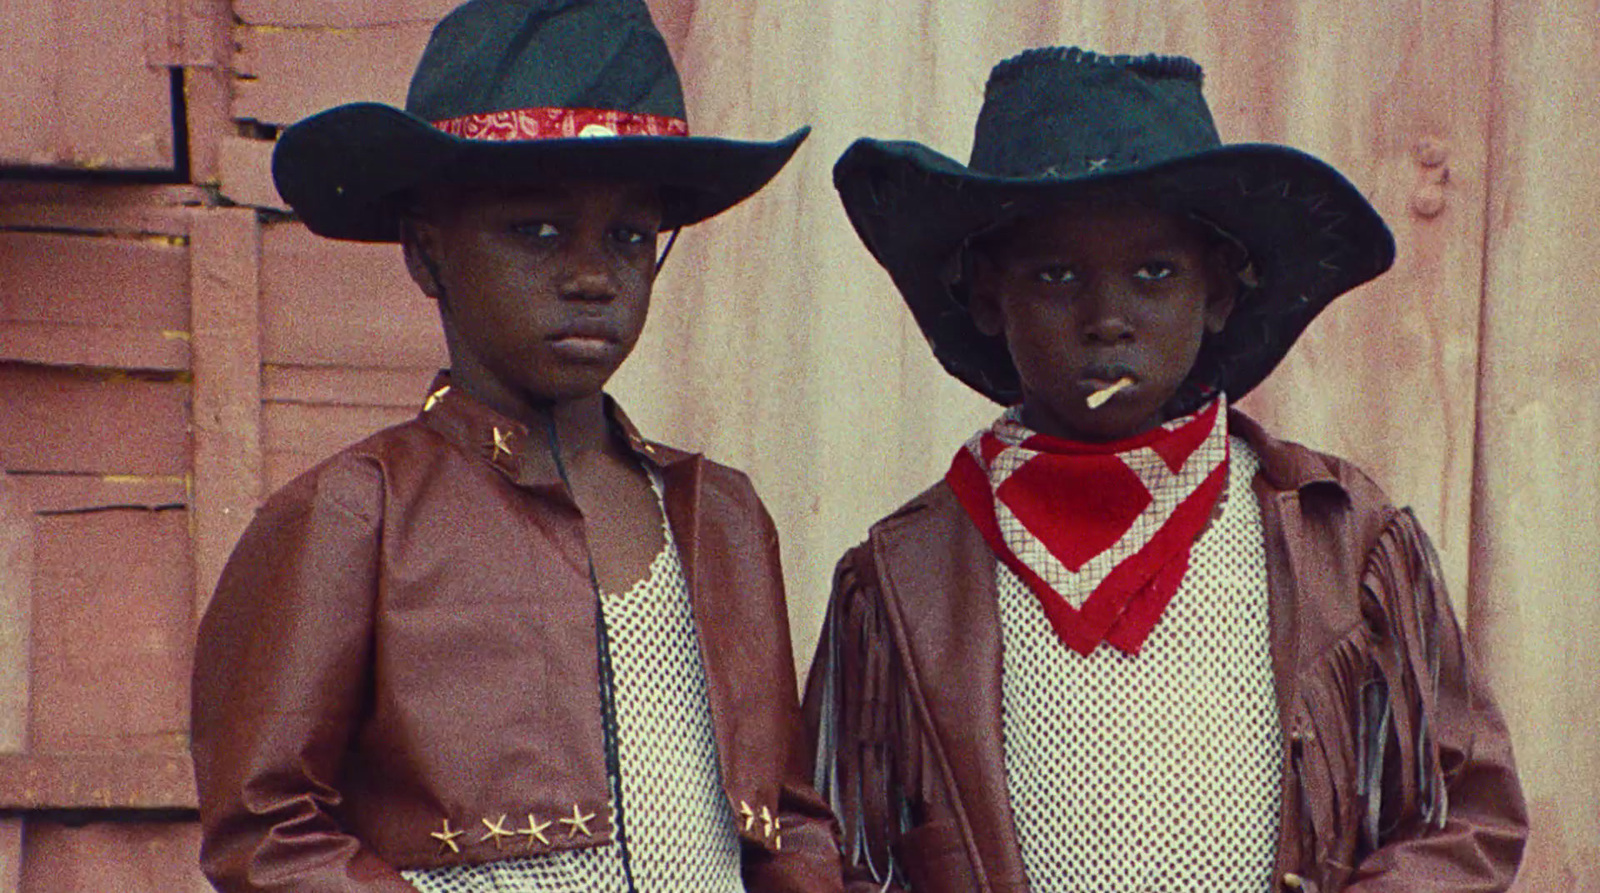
(1099, 398)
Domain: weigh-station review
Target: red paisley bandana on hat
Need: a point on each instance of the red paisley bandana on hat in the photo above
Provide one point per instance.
(1100, 532)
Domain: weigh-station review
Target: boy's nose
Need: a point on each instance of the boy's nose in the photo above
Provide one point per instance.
(589, 275)
(1102, 316)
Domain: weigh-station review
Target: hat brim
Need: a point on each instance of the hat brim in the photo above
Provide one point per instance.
(1310, 234)
(342, 170)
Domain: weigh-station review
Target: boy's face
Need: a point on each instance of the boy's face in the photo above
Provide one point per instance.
(1086, 294)
(543, 290)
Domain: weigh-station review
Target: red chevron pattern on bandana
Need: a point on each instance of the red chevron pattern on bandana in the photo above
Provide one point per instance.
(557, 123)
(1101, 533)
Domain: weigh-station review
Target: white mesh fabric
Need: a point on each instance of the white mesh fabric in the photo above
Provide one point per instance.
(680, 829)
(1158, 771)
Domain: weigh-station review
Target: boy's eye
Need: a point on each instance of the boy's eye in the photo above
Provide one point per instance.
(1154, 271)
(539, 230)
(628, 235)
(1057, 275)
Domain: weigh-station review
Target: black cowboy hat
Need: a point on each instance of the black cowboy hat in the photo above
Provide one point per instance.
(1061, 123)
(517, 91)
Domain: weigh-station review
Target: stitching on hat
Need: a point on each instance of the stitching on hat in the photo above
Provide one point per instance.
(1151, 65)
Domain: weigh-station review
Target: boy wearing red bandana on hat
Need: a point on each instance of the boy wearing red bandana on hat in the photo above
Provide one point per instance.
(510, 644)
(1132, 642)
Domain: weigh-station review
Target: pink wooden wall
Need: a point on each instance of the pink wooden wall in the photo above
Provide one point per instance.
(170, 354)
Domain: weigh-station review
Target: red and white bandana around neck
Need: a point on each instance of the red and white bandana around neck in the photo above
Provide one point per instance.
(1100, 532)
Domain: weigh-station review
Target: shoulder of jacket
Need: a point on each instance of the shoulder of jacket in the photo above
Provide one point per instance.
(354, 479)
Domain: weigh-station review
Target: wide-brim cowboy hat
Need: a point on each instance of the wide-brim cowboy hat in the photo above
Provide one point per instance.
(1060, 124)
(519, 92)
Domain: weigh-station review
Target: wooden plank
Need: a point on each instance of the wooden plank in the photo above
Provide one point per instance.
(35, 781)
(98, 208)
(72, 68)
(328, 303)
(124, 856)
(112, 632)
(245, 172)
(48, 344)
(341, 13)
(60, 494)
(208, 83)
(94, 300)
(11, 854)
(227, 387)
(297, 436)
(398, 388)
(134, 283)
(60, 420)
(289, 73)
(16, 616)
(1536, 603)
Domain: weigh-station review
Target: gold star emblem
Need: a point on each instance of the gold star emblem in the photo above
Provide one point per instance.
(748, 813)
(497, 830)
(434, 398)
(535, 831)
(578, 822)
(767, 821)
(502, 443)
(447, 838)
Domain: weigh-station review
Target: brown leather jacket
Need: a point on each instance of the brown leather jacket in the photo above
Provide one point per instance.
(406, 636)
(1368, 659)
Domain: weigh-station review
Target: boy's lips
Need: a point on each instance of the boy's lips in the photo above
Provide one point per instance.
(1096, 377)
(589, 339)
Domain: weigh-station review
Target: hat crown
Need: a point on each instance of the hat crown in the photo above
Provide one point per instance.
(500, 55)
(1065, 112)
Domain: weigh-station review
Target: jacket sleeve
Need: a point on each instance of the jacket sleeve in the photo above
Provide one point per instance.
(1449, 815)
(851, 713)
(806, 860)
(281, 670)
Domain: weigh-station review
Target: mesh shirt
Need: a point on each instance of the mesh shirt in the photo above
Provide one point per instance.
(680, 827)
(1158, 771)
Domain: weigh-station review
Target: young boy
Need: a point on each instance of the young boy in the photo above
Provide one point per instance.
(511, 645)
(1132, 642)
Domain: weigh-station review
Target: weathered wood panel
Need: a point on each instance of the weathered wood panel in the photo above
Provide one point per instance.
(98, 208)
(83, 421)
(127, 857)
(1535, 595)
(148, 781)
(112, 625)
(296, 436)
(226, 264)
(326, 303)
(76, 90)
(289, 73)
(94, 300)
(341, 13)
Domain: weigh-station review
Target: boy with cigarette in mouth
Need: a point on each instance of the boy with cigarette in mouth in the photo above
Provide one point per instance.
(511, 645)
(1132, 642)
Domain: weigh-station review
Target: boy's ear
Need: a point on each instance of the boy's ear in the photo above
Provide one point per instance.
(419, 244)
(983, 297)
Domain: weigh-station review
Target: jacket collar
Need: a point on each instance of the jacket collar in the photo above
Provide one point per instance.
(512, 448)
(1285, 466)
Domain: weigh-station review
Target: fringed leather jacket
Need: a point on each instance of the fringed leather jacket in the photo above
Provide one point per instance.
(399, 668)
(1398, 772)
